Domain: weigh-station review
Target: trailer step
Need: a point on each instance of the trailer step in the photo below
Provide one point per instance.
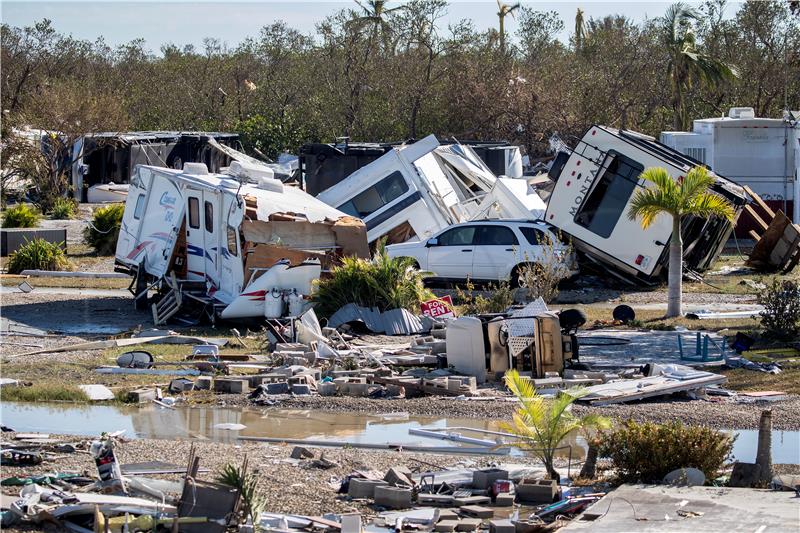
(167, 307)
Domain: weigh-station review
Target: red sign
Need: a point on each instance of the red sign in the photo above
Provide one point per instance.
(439, 308)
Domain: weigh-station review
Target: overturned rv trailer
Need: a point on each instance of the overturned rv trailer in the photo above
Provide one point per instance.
(232, 242)
(102, 163)
(324, 165)
(415, 190)
(594, 185)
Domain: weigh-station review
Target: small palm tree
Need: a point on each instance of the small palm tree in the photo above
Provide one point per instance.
(542, 424)
(503, 11)
(580, 30)
(687, 196)
(374, 13)
(687, 63)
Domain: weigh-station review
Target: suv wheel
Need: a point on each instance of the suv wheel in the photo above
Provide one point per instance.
(519, 272)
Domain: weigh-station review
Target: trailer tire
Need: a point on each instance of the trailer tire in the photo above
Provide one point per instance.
(141, 304)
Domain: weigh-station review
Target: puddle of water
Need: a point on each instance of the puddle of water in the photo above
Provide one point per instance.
(201, 422)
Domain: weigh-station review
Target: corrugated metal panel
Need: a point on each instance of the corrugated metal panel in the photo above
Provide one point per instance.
(401, 322)
(392, 322)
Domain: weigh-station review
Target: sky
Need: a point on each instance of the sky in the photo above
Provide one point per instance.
(182, 22)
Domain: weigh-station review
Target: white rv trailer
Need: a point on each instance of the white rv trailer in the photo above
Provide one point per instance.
(234, 237)
(762, 153)
(594, 185)
(416, 190)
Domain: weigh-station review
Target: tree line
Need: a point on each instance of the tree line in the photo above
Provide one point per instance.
(388, 71)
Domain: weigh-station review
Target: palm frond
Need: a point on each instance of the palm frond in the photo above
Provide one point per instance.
(709, 204)
(696, 181)
(650, 202)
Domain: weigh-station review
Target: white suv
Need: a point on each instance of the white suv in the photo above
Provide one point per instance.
(486, 250)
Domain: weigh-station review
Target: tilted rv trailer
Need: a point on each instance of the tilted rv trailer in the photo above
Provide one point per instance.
(415, 190)
(227, 237)
(595, 182)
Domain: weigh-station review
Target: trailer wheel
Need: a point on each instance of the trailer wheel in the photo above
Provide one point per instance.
(141, 304)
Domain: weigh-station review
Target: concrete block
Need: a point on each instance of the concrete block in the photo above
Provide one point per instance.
(231, 385)
(357, 389)
(327, 388)
(301, 389)
(446, 526)
(395, 391)
(302, 453)
(537, 490)
(485, 478)
(393, 497)
(435, 500)
(142, 395)
(203, 383)
(501, 526)
(351, 523)
(477, 511)
(278, 388)
(399, 475)
(448, 514)
(505, 499)
(472, 500)
(359, 488)
(255, 381)
(469, 524)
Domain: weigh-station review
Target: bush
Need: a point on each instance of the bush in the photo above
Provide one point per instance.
(541, 279)
(21, 216)
(38, 254)
(63, 209)
(781, 314)
(383, 282)
(501, 296)
(647, 452)
(49, 392)
(103, 231)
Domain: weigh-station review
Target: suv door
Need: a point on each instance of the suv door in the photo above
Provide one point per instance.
(496, 252)
(451, 257)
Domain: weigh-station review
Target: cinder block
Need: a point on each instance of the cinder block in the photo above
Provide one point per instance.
(298, 452)
(446, 526)
(504, 499)
(231, 385)
(142, 395)
(477, 511)
(469, 524)
(501, 526)
(537, 490)
(483, 479)
(278, 388)
(301, 389)
(393, 497)
(204, 383)
(255, 381)
(327, 388)
(472, 500)
(399, 475)
(359, 488)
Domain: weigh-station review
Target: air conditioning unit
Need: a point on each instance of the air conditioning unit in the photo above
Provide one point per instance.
(741, 112)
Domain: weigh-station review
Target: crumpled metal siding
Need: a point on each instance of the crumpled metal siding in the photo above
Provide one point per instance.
(391, 322)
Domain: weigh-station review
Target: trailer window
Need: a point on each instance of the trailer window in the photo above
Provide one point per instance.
(232, 240)
(385, 191)
(209, 217)
(605, 204)
(194, 213)
(139, 210)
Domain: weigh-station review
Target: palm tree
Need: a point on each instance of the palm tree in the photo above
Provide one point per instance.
(687, 196)
(504, 9)
(373, 13)
(687, 63)
(580, 30)
(542, 424)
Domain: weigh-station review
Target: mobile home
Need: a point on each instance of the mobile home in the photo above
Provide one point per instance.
(415, 190)
(228, 240)
(594, 184)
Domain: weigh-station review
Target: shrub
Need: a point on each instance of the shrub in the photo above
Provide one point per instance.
(541, 279)
(21, 216)
(49, 392)
(63, 209)
(103, 230)
(38, 254)
(501, 296)
(383, 282)
(647, 452)
(781, 314)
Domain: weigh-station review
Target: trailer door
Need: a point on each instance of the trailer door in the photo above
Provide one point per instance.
(202, 235)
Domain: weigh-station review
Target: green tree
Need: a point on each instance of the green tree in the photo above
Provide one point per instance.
(542, 424)
(687, 63)
(677, 198)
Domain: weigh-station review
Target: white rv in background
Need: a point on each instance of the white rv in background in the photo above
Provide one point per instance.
(594, 184)
(762, 153)
(416, 190)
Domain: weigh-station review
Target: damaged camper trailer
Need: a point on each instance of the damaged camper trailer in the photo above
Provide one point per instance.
(233, 242)
(594, 185)
(415, 190)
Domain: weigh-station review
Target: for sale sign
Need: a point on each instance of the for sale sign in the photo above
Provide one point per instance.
(439, 308)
